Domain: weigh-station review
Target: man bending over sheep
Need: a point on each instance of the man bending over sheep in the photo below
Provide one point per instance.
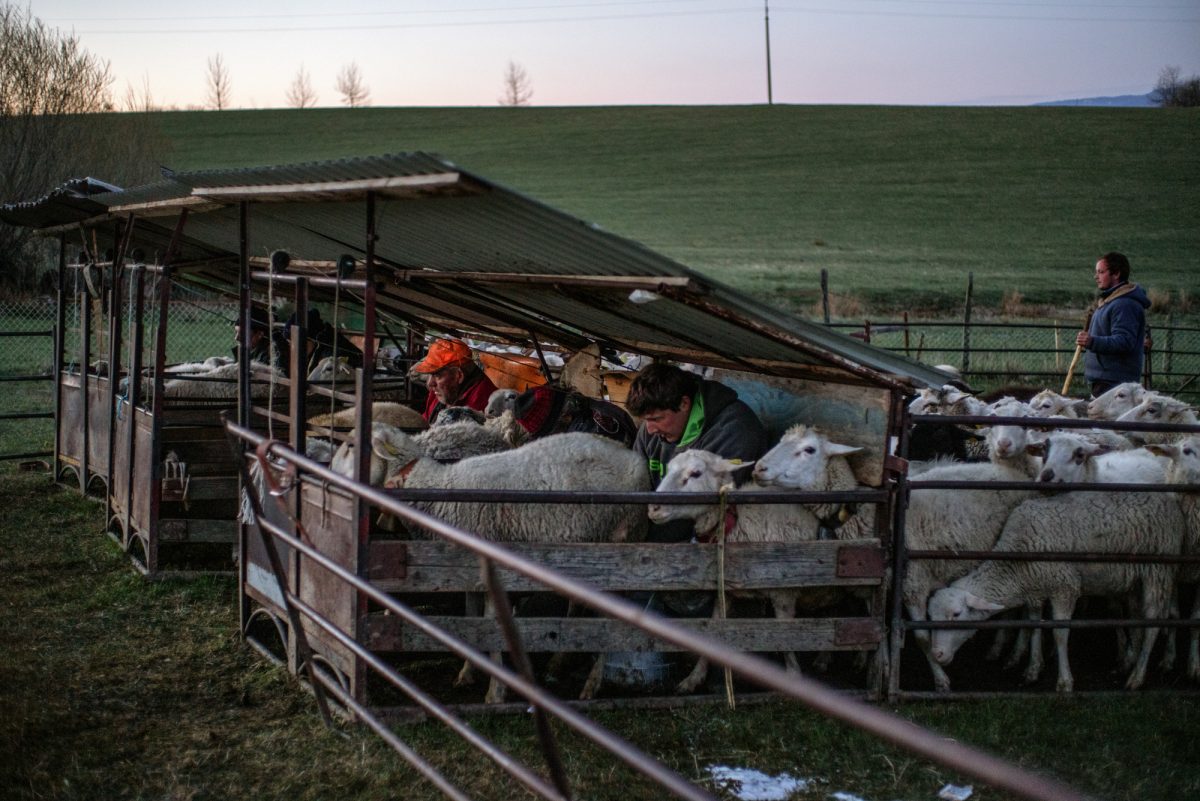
(454, 378)
(680, 411)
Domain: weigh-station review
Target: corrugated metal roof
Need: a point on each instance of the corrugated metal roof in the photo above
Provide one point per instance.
(458, 252)
(74, 201)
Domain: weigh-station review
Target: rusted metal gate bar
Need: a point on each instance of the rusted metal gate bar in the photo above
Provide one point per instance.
(895, 730)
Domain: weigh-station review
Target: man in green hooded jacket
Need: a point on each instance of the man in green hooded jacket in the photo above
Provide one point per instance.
(681, 411)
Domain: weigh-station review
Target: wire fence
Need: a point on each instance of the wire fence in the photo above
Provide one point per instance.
(988, 354)
(991, 355)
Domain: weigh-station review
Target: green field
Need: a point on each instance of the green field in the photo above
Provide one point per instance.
(898, 204)
(115, 687)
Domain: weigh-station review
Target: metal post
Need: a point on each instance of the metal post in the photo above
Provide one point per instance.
(966, 347)
(825, 294)
(60, 322)
(767, 28)
(85, 358)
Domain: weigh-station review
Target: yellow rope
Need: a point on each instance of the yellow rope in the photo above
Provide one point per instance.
(721, 607)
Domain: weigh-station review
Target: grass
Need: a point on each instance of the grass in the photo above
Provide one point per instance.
(118, 688)
(899, 204)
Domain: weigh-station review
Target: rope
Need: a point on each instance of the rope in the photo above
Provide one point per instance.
(722, 610)
(272, 349)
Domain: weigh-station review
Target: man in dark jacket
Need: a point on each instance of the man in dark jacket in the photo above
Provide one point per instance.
(1117, 332)
(681, 411)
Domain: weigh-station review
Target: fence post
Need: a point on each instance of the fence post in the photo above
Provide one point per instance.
(966, 346)
(825, 294)
(906, 351)
(1170, 345)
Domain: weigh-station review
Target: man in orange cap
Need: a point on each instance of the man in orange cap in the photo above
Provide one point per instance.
(454, 378)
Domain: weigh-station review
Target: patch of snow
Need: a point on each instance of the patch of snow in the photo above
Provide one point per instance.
(753, 785)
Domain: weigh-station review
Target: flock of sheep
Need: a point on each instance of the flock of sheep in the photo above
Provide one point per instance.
(1112, 522)
(469, 450)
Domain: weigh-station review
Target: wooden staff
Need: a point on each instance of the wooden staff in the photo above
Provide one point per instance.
(1087, 323)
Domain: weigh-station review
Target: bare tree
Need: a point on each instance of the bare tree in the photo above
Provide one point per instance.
(1174, 90)
(517, 88)
(301, 93)
(351, 87)
(50, 88)
(219, 83)
(139, 99)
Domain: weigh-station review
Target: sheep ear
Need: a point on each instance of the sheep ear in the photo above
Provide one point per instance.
(979, 604)
(1163, 449)
(384, 445)
(834, 449)
(735, 464)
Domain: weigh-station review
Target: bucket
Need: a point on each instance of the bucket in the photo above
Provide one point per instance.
(635, 668)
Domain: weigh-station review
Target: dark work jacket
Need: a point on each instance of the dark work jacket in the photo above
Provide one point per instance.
(729, 428)
(1118, 330)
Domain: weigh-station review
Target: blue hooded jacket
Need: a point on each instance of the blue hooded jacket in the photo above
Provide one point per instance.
(1118, 332)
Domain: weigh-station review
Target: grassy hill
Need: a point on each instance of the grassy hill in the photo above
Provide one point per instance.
(899, 204)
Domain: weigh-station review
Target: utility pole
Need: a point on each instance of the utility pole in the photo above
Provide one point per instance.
(767, 25)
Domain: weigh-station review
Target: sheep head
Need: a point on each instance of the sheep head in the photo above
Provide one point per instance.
(957, 604)
(1116, 401)
(329, 370)
(1065, 458)
(694, 471)
(800, 460)
(1185, 459)
(499, 402)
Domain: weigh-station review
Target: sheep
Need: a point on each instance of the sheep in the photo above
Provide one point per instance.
(561, 462)
(221, 382)
(1156, 408)
(806, 459)
(953, 520)
(458, 414)
(1049, 403)
(331, 371)
(1069, 458)
(702, 471)
(507, 426)
(446, 443)
(396, 414)
(1007, 443)
(930, 440)
(1115, 402)
(1143, 523)
(454, 441)
(1185, 469)
(500, 401)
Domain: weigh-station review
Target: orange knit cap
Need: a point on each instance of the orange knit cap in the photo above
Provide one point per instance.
(443, 353)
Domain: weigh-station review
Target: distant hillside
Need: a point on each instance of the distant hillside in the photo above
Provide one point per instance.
(1126, 101)
(898, 203)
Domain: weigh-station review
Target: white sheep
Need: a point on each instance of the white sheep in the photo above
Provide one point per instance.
(953, 520)
(446, 443)
(500, 401)
(458, 414)
(561, 462)
(702, 471)
(1068, 458)
(396, 414)
(1115, 402)
(1155, 408)
(1007, 443)
(806, 459)
(1049, 403)
(221, 383)
(1185, 469)
(1139, 523)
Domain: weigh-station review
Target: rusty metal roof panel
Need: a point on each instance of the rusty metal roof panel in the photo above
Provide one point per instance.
(72, 202)
(456, 250)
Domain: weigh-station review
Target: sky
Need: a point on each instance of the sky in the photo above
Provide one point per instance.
(606, 52)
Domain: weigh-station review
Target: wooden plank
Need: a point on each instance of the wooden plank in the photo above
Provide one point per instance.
(436, 566)
(192, 530)
(386, 633)
(202, 488)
